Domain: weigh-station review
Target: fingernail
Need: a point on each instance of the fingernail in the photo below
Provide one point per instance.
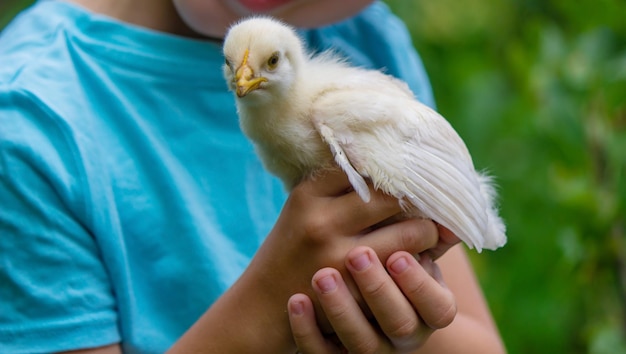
(326, 284)
(399, 265)
(297, 308)
(361, 261)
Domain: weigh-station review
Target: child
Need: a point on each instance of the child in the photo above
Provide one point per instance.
(136, 218)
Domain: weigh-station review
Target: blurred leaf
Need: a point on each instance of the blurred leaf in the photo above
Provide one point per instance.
(537, 91)
(9, 8)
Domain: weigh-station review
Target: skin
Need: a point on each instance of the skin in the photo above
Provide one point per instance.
(214, 17)
(345, 264)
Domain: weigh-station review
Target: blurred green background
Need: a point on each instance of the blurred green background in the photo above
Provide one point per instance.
(537, 89)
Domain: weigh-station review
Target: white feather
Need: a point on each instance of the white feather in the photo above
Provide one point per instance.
(316, 111)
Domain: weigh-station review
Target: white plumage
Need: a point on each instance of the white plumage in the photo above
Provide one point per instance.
(305, 113)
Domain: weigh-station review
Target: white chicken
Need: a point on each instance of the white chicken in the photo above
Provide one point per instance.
(305, 113)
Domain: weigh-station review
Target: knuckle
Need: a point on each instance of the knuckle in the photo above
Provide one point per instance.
(300, 335)
(448, 313)
(408, 239)
(337, 312)
(418, 288)
(404, 328)
(418, 235)
(316, 226)
(428, 230)
(370, 345)
(374, 289)
(298, 197)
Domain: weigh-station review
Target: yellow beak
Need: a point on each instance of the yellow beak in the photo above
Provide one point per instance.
(244, 78)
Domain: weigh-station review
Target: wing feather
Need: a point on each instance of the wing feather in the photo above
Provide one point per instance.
(411, 152)
(356, 180)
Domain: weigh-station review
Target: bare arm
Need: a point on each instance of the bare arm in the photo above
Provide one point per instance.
(473, 328)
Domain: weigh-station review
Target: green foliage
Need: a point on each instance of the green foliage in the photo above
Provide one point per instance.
(538, 91)
(9, 8)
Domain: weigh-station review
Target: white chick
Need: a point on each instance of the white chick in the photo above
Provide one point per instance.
(305, 113)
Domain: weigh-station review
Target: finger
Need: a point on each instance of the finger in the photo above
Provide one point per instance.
(330, 182)
(347, 213)
(361, 216)
(306, 333)
(352, 209)
(394, 314)
(344, 314)
(357, 217)
(432, 299)
(447, 239)
(411, 235)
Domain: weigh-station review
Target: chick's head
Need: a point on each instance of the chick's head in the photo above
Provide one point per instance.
(262, 58)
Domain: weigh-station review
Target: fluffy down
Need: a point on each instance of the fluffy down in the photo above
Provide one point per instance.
(306, 113)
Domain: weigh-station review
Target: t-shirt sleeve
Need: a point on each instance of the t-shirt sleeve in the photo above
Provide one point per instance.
(55, 293)
(376, 39)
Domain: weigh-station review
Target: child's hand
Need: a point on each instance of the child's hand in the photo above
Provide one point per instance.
(320, 223)
(407, 303)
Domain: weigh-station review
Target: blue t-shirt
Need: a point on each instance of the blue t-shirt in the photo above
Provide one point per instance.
(129, 198)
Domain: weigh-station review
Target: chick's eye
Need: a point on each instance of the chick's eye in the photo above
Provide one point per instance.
(272, 62)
